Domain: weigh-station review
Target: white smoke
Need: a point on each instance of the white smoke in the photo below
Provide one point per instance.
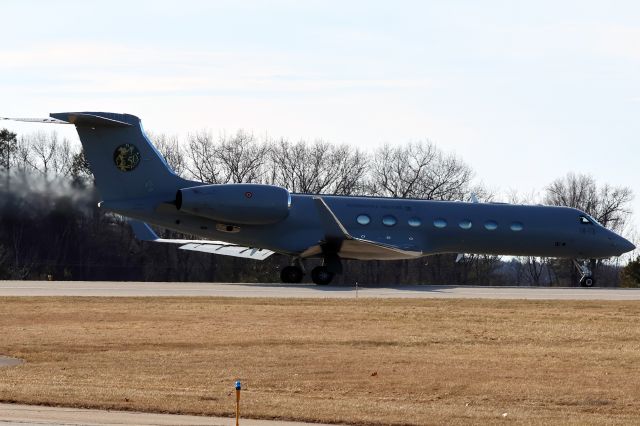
(25, 191)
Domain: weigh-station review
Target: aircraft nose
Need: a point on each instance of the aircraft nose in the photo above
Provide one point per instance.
(617, 244)
(625, 245)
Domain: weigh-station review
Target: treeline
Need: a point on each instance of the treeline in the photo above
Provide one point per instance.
(50, 225)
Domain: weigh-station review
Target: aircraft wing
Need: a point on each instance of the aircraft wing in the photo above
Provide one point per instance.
(351, 247)
(143, 232)
(360, 249)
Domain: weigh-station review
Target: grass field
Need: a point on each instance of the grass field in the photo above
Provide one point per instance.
(354, 361)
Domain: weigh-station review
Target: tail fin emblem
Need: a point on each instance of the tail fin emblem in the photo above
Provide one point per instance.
(126, 157)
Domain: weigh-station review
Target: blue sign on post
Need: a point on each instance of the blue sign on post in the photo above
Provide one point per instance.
(238, 402)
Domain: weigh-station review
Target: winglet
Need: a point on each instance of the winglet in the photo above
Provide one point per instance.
(142, 231)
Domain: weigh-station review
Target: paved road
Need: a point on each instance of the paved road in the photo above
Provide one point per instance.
(121, 289)
(17, 414)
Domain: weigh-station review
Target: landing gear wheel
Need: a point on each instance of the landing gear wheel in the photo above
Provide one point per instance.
(321, 275)
(586, 274)
(291, 274)
(587, 281)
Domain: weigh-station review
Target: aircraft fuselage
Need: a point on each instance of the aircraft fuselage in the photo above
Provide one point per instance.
(428, 227)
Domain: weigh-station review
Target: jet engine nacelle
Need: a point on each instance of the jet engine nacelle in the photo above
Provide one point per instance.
(248, 204)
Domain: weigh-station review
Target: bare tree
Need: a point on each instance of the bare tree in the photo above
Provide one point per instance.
(23, 158)
(534, 268)
(397, 171)
(230, 159)
(352, 166)
(449, 179)
(318, 167)
(419, 170)
(242, 158)
(46, 153)
(202, 164)
(170, 148)
(607, 204)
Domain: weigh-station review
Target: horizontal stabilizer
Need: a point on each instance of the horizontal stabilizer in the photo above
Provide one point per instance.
(143, 232)
(86, 119)
(82, 119)
(36, 120)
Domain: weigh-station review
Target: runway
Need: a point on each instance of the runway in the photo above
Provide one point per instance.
(18, 414)
(155, 289)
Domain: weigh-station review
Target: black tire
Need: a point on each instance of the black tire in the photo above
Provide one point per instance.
(321, 275)
(291, 274)
(587, 281)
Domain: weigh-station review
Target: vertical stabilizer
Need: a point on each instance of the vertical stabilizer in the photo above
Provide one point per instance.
(124, 162)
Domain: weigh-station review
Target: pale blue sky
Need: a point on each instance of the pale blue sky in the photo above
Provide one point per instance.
(524, 91)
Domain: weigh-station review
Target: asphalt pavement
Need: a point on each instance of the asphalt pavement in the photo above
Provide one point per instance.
(154, 289)
(18, 414)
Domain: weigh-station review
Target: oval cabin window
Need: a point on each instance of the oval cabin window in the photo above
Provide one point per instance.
(440, 223)
(465, 224)
(517, 226)
(363, 219)
(490, 225)
(389, 220)
(415, 222)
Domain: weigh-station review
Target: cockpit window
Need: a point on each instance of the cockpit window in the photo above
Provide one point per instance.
(593, 220)
(585, 220)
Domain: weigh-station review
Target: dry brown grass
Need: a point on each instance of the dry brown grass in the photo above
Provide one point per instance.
(356, 361)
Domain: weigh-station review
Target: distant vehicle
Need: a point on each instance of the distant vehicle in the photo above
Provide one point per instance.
(254, 220)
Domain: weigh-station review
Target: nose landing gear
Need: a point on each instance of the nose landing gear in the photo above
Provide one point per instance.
(585, 269)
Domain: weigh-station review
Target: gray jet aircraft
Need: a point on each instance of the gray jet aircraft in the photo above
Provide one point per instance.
(254, 221)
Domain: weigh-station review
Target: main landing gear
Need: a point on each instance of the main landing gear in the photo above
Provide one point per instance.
(294, 274)
(291, 274)
(585, 270)
(320, 275)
